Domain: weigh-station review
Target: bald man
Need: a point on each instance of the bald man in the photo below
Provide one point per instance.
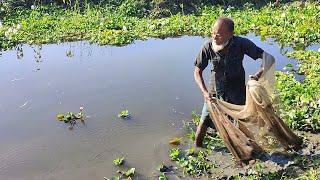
(225, 52)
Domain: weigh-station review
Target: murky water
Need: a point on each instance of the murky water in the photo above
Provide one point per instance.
(153, 79)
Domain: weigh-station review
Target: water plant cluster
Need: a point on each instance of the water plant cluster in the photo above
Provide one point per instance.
(124, 114)
(291, 24)
(71, 118)
(127, 174)
(300, 100)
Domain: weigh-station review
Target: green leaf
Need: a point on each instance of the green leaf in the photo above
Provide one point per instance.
(190, 151)
(130, 172)
(119, 161)
(174, 153)
(124, 114)
(162, 177)
(289, 65)
(60, 116)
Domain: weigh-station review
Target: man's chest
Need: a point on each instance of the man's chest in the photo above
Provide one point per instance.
(232, 59)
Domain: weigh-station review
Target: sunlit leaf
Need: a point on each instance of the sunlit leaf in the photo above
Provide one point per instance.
(118, 161)
(60, 116)
(130, 172)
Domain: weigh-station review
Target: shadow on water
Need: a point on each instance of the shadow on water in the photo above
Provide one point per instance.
(152, 79)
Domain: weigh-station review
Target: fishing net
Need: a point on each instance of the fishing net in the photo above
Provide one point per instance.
(254, 127)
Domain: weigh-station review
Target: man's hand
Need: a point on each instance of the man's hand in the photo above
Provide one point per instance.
(254, 77)
(208, 96)
(257, 75)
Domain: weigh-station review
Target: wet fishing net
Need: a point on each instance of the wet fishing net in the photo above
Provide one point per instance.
(253, 128)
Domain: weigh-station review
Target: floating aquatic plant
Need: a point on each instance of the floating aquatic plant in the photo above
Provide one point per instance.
(124, 114)
(71, 117)
(118, 161)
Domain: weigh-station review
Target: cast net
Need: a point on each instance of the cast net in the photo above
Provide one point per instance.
(255, 127)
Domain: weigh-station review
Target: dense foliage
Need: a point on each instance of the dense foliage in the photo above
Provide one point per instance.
(159, 8)
(49, 24)
(300, 101)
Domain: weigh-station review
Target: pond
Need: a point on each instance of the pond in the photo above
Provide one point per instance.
(153, 79)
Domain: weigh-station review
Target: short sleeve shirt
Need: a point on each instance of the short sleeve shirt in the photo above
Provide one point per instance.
(227, 77)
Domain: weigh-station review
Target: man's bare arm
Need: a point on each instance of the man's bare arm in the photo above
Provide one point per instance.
(267, 61)
(200, 82)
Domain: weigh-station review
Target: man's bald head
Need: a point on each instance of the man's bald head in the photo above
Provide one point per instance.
(227, 22)
(222, 30)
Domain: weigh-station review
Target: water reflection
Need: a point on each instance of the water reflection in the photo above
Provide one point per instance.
(19, 51)
(37, 52)
(70, 51)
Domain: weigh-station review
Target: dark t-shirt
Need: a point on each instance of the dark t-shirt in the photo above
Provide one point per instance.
(227, 78)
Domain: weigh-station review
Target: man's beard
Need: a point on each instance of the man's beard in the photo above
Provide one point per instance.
(216, 47)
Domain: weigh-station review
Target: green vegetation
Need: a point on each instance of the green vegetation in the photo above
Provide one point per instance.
(127, 174)
(71, 117)
(162, 177)
(130, 172)
(292, 24)
(300, 101)
(118, 161)
(195, 164)
(124, 114)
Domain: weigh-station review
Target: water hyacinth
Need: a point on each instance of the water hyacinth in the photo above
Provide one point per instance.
(9, 32)
(12, 30)
(291, 26)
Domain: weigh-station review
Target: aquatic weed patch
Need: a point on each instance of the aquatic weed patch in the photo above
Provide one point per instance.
(300, 101)
(292, 24)
(124, 114)
(71, 118)
(118, 161)
(192, 162)
(124, 173)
